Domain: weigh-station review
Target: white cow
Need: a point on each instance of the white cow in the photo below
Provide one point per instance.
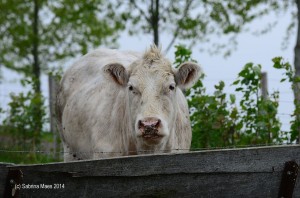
(113, 103)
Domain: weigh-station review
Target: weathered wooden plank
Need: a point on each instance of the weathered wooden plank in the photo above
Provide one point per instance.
(173, 185)
(288, 179)
(3, 173)
(264, 159)
(254, 172)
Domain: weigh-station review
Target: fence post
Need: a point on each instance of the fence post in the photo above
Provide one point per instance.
(53, 88)
(264, 85)
(265, 95)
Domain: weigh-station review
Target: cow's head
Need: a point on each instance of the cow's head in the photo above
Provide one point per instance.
(152, 85)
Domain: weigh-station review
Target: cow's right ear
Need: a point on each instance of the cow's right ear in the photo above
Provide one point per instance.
(187, 74)
(117, 72)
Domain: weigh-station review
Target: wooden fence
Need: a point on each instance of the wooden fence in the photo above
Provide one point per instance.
(248, 172)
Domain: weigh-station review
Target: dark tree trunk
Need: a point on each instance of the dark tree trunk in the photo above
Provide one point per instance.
(36, 65)
(36, 77)
(155, 20)
(297, 69)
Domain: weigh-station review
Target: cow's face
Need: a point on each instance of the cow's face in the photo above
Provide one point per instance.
(151, 92)
(151, 85)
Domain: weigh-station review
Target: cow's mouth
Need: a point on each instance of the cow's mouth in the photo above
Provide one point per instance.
(150, 133)
(151, 137)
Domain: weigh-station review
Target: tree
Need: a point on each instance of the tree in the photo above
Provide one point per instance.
(296, 87)
(193, 21)
(37, 35)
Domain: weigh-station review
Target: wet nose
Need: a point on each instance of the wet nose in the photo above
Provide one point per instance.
(150, 122)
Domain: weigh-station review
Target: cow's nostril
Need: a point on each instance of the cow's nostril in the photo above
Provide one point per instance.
(140, 124)
(157, 123)
(149, 122)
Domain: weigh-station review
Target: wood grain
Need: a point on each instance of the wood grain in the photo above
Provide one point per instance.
(251, 172)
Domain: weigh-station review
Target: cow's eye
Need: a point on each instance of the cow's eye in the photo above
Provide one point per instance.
(171, 87)
(130, 88)
(133, 90)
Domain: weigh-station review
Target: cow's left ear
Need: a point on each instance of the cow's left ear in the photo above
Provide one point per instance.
(117, 72)
(187, 74)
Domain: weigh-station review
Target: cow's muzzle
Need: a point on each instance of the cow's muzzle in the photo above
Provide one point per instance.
(149, 128)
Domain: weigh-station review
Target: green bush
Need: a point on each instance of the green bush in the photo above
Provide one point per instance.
(289, 74)
(217, 120)
(22, 129)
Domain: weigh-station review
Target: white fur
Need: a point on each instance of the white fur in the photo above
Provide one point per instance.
(97, 117)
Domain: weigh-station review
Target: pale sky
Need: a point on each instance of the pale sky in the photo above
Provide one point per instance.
(256, 49)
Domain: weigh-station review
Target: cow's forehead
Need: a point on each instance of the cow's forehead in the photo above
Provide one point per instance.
(157, 74)
(152, 66)
(162, 67)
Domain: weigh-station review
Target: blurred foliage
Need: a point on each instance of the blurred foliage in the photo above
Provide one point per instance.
(12, 152)
(65, 29)
(289, 74)
(258, 114)
(198, 21)
(25, 157)
(22, 117)
(40, 36)
(217, 120)
(182, 54)
(21, 128)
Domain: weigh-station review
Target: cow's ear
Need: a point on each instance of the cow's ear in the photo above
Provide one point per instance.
(187, 74)
(117, 72)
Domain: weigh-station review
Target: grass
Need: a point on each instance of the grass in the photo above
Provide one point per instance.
(12, 151)
(26, 158)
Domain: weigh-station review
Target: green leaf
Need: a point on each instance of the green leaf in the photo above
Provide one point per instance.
(283, 79)
(232, 98)
(236, 82)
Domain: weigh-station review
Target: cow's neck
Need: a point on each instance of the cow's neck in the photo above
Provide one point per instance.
(129, 141)
(180, 133)
(150, 149)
